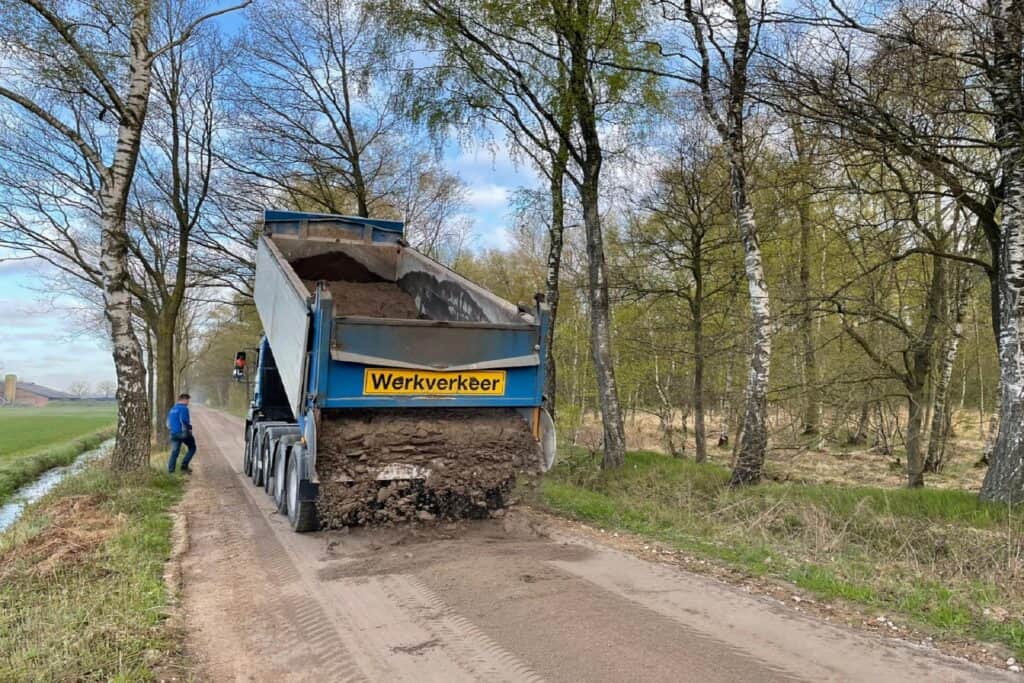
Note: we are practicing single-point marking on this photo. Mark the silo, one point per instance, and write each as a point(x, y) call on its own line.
point(10, 387)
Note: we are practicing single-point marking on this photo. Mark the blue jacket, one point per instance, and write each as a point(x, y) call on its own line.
point(178, 420)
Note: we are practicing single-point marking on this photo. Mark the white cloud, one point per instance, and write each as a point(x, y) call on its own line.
point(482, 197)
point(496, 237)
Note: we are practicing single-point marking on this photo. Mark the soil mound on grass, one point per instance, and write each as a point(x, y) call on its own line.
point(78, 528)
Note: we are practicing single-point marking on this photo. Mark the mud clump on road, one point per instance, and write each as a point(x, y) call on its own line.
point(355, 289)
point(466, 460)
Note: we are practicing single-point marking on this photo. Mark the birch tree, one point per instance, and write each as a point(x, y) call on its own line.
point(722, 45)
point(956, 69)
point(1004, 480)
point(75, 87)
point(168, 202)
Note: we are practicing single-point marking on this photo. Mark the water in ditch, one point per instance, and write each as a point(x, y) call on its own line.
point(33, 491)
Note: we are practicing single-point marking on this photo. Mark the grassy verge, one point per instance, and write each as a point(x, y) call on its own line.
point(945, 561)
point(82, 595)
point(16, 470)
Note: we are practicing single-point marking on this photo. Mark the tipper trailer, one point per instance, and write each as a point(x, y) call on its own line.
point(387, 385)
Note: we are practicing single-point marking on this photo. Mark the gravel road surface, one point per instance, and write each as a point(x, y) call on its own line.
point(499, 600)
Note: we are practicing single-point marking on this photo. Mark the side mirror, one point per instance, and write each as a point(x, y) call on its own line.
point(239, 371)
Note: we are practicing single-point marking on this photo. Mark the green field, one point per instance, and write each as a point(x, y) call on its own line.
point(33, 429)
point(32, 440)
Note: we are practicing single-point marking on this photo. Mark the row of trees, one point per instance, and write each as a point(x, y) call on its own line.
point(850, 176)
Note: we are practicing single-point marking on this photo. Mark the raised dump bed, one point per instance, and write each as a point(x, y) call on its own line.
point(413, 391)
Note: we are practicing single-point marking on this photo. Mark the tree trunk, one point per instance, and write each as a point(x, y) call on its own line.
point(1004, 480)
point(556, 234)
point(697, 311)
point(915, 462)
point(754, 436)
point(860, 436)
point(150, 371)
point(699, 434)
point(579, 82)
point(940, 427)
point(165, 395)
point(990, 435)
point(725, 407)
point(131, 450)
point(753, 439)
point(919, 372)
point(600, 328)
point(812, 394)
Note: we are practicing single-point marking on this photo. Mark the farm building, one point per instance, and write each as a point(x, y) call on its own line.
point(30, 394)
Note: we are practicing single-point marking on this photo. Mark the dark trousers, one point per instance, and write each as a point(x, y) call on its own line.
point(178, 438)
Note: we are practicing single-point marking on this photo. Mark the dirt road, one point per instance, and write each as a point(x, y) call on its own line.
point(498, 601)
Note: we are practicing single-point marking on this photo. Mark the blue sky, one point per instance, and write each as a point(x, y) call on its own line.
point(41, 342)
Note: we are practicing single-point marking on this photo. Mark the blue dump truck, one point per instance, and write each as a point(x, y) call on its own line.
point(387, 386)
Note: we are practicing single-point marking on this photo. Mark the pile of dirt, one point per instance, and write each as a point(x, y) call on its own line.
point(370, 299)
point(356, 290)
point(79, 526)
point(471, 457)
point(335, 265)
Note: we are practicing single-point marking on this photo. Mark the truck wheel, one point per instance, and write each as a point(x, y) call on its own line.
point(268, 467)
point(247, 454)
point(280, 476)
point(301, 513)
point(257, 465)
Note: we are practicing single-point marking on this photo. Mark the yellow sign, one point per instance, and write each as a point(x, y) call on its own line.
point(396, 382)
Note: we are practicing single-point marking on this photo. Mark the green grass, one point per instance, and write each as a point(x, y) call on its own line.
point(102, 617)
point(32, 429)
point(940, 558)
point(32, 440)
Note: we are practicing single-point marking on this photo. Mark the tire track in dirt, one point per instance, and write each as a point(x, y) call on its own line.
point(492, 600)
point(253, 598)
point(468, 641)
point(381, 628)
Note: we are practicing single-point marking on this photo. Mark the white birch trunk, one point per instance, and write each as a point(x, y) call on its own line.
point(754, 438)
point(1004, 480)
point(131, 450)
point(940, 425)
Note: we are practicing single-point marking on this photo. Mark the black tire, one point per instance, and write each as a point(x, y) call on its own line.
point(278, 492)
point(247, 455)
point(301, 513)
point(257, 464)
point(268, 467)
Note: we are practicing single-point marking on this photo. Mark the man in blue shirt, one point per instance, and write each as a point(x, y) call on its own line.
point(180, 425)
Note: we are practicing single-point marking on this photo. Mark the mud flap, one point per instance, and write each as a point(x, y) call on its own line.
point(308, 491)
point(548, 441)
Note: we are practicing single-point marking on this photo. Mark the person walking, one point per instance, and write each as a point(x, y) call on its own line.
point(180, 425)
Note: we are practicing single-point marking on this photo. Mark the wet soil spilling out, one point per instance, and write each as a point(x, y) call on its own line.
point(355, 289)
point(466, 460)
